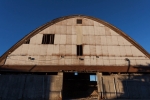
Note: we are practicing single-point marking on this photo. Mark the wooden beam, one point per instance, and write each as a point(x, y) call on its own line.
point(57, 68)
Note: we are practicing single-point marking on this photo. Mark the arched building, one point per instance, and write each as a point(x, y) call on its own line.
point(75, 49)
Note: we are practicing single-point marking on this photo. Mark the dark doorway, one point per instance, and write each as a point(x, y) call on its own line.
point(79, 86)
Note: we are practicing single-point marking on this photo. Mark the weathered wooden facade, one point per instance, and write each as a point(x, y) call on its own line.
point(77, 44)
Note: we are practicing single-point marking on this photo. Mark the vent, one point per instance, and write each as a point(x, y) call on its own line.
point(79, 21)
point(27, 42)
point(48, 39)
point(79, 50)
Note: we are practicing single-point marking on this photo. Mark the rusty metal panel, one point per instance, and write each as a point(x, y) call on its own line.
point(69, 50)
point(106, 61)
point(93, 60)
point(74, 50)
point(51, 29)
point(107, 31)
point(86, 39)
point(91, 30)
point(55, 60)
point(112, 61)
point(43, 49)
point(106, 88)
point(33, 39)
point(87, 22)
point(62, 49)
point(55, 50)
point(111, 51)
point(41, 60)
point(103, 40)
point(121, 87)
point(50, 49)
point(99, 61)
point(79, 33)
point(136, 52)
point(62, 39)
point(74, 30)
point(132, 62)
point(128, 51)
point(74, 39)
point(48, 60)
point(46, 31)
point(97, 30)
point(92, 40)
point(22, 60)
point(109, 40)
point(14, 60)
point(87, 60)
point(120, 40)
point(69, 29)
point(71, 21)
point(31, 49)
point(97, 40)
point(113, 32)
point(102, 31)
point(39, 38)
point(104, 50)
point(37, 50)
point(116, 51)
point(98, 50)
point(24, 50)
point(97, 24)
point(68, 39)
point(126, 42)
point(114, 40)
point(8, 61)
point(64, 22)
point(57, 39)
point(120, 61)
point(92, 50)
point(85, 30)
point(86, 50)
point(60, 29)
point(81, 62)
point(17, 51)
point(68, 60)
point(58, 23)
point(122, 51)
point(75, 60)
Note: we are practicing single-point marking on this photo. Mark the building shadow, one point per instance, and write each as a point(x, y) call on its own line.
point(122, 86)
point(30, 86)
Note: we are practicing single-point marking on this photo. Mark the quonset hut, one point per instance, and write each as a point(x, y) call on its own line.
point(75, 57)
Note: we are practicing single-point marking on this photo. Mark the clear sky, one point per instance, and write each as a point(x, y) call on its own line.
point(19, 17)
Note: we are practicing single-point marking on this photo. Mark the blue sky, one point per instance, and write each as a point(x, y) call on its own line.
point(19, 17)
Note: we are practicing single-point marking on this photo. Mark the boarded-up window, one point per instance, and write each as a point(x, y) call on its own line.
point(48, 39)
point(27, 42)
point(79, 50)
point(79, 21)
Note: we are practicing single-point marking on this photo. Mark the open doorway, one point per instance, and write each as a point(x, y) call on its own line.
point(80, 85)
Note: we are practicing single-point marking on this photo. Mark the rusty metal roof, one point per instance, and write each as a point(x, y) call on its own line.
point(39, 29)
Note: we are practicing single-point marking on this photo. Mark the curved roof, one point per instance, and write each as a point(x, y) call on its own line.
point(36, 31)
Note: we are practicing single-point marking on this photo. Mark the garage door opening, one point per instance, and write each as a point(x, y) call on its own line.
point(79, 86)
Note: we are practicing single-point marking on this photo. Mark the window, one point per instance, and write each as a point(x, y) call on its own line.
point(79, 50)
point(93, 78)
point(79, 21)
point(48, 39)
point(76, 73)
point(27, 42)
